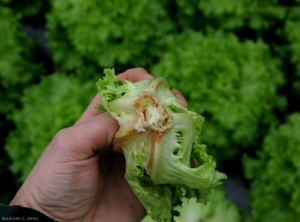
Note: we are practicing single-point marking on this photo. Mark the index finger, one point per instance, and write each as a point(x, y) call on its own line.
point(134, 75)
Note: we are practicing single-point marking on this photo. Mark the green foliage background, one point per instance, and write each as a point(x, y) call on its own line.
point(236, 62)
point(279, 157)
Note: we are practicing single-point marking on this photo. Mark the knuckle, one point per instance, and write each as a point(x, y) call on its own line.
point(62, 137)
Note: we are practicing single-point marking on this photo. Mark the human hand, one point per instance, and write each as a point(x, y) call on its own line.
point(80, 175)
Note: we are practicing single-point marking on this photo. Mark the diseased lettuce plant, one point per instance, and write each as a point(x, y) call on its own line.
point(158, 137)
point(55, 103)
point(232, 84)
point(275, 174)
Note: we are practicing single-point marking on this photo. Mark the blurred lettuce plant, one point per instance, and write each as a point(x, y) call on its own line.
point(55, 103)
point(17, 65)
point(232, 84)
point(219, 209)
point(292, 33)
point(90, 35)
point(275, 174)
point(230, 14)
point(25, 8)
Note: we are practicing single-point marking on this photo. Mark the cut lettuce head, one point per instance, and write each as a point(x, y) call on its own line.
point(158, 137)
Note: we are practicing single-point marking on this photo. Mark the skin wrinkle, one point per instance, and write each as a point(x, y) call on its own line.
point(71, 199)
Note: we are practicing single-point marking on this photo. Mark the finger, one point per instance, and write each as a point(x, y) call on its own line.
point(194, 162)
point(116, 148)
point(180, 98)
point(84, 140)
point(134, 75)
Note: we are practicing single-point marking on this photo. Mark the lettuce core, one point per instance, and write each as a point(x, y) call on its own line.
point(151, 114)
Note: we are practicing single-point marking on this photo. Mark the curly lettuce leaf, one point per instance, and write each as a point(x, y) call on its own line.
point(219, 209)
point(189, 211)
point(158, 137)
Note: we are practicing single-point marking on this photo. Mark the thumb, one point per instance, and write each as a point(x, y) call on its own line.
point(85, 139)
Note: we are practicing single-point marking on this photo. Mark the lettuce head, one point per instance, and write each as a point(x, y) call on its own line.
point(159, 137)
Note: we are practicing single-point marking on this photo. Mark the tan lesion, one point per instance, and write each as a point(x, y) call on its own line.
point(150, 118)
point(127, 134)
point(155, 139)
point(151, 114)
